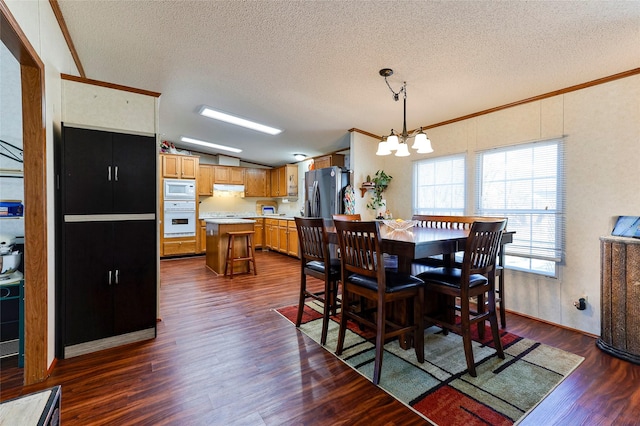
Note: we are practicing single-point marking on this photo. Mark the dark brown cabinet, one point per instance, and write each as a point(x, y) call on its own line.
point(107, 172)
point(106, 286)
point(109, 286)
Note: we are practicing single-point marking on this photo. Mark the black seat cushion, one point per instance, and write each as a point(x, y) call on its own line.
point(317, 266)
point(394, 281)
point(448, 276)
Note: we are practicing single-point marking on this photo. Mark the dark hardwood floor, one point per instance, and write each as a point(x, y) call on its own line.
point(223, 356)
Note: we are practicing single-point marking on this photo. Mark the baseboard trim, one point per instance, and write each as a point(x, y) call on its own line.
point(109, 342)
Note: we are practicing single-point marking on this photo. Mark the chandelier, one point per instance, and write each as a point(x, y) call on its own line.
point(398, 143)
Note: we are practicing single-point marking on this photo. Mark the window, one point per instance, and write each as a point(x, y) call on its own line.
point(525, 184)
point(439, 186)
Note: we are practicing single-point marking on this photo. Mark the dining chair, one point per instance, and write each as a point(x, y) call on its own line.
point(355, 216)
point(475, 277)
point(316, 261)
point(464, 222)
point(364, 275)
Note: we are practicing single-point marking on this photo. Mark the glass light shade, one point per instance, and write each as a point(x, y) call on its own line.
point(419, 141)
point(403, 150)
point(425, 148)
point(383, 149)
point(392, 141)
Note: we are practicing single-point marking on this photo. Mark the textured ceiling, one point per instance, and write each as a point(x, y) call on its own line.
point(311, 67)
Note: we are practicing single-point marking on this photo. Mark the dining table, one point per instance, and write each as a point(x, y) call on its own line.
point(418, 243)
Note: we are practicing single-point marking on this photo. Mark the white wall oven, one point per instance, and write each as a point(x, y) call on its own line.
point(179, 208)
point(179, 219)
point(179, 189)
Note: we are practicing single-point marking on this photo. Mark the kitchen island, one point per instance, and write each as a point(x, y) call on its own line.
point(217, 240)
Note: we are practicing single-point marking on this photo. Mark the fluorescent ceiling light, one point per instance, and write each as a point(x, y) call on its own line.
point(209, 144)
point(228, 118)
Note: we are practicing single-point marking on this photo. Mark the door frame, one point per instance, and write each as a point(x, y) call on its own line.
point(35, 196)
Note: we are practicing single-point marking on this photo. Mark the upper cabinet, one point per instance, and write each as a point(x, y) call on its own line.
point(205, 179)
point(256, 183)
point(107, 172)
point(179, 166)
point(284, 181)
point(228, 175)
point(328, 161)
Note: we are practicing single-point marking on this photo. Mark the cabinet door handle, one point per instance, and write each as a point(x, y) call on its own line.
point(116, 174)
point(109, 277)
point(109, 173)
point(117, 276)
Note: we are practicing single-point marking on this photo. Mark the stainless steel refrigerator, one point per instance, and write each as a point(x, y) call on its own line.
point(324, 191)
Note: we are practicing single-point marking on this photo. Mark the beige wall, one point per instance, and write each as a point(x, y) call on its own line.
point(601, 125)
point(37, 21)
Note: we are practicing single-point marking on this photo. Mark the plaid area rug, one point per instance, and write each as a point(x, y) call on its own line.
point(439, 389)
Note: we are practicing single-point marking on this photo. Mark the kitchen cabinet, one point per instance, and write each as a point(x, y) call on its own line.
point(110, 287)
point(202, 236)
point(283, 236)
point(176, 166)
point(271, 234)
point(104, 172)
point(328, 161)
point(178, 246)
point(256, 183)
point(284, 181)
point(258, 237)
point(292, 239)
point(228, 175)
point(205, 179)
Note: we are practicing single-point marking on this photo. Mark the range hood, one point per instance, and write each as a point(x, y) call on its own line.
point(221, 190)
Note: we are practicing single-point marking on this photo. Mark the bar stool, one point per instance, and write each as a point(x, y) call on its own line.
point(249, 258)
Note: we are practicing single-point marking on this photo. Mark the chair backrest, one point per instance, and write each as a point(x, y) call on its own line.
point(360, 249)
point(347, 217)
point(482, 246)
point(313, 239)
point(448, 222)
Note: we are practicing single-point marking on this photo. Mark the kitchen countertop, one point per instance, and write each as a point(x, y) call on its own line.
point(227, 220)
point(208, 216)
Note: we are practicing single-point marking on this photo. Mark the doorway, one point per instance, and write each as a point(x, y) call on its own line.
point(35, 196)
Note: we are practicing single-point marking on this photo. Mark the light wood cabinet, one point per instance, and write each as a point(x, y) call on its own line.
point(283, 236)
point(179, 246)
point(256, 183)
point(258, 238)
point(292, 238)
point(228, 175)
point(205, 172)
point(328, 161)
point(271, 234)
point(179, 166)
point(284, 181)
point(202, 236)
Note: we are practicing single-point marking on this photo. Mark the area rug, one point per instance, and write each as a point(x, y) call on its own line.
point(440, 390)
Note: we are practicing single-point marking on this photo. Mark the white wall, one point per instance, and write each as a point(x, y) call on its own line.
point(37, 21)
point(601, 125)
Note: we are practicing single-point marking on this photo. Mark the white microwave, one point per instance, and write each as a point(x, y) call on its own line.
point(179, 189)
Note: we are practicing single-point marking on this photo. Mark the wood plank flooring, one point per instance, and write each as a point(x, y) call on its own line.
point(223, 356)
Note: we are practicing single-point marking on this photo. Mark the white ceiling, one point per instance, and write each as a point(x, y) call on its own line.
point(311, 67)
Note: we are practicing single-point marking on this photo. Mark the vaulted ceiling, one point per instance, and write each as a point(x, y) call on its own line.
point(311, 67)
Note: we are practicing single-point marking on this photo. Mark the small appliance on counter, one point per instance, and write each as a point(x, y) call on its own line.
point(10, 258)
point(266, 208)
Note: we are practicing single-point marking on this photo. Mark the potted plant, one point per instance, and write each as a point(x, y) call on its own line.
point(381, 181)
